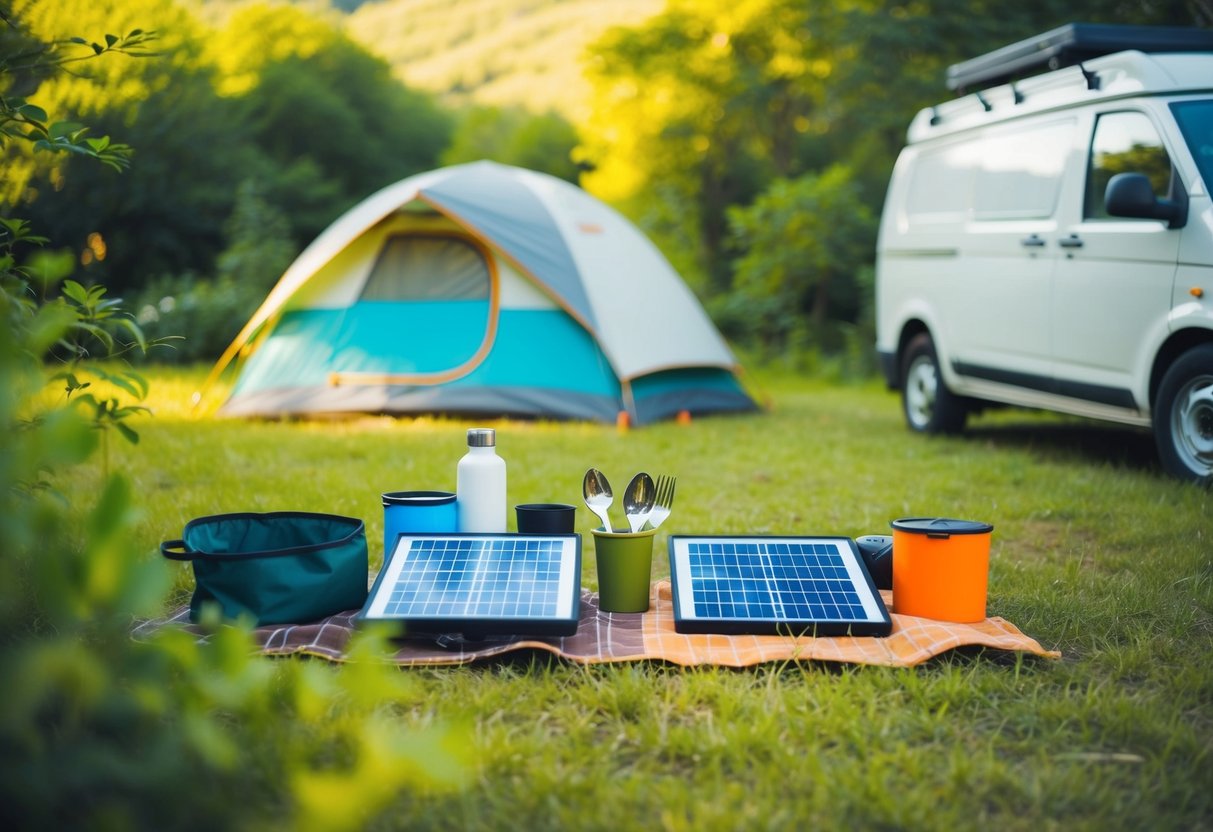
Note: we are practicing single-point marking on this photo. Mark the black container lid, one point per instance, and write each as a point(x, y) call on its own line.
point(414, 498)
point(940, 526)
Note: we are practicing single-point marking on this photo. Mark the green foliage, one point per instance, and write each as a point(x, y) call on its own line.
point(702, 106)
point(307, 92)
point(514, 136)
point(211, 310)
point(802, 240)
point(274, 97)
point(97, 730)
point(28, 123)
point(20, 119)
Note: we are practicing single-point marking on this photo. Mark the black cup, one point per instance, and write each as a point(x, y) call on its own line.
point(546, 518)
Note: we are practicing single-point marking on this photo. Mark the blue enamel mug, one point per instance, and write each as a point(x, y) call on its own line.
point(417, 511)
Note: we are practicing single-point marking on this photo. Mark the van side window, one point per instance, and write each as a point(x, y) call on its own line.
point(1000, 175)
point(1019, 171)
point(1124, 143)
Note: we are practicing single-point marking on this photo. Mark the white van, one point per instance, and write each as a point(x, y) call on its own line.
point(1048, 242)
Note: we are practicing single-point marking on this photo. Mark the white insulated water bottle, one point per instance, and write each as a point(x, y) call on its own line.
point(480, 484)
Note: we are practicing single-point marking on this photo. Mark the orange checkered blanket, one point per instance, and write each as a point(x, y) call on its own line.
point(619, 637)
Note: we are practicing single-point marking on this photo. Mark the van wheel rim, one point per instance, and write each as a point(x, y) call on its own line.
point(1192, 424)
point(922, 385)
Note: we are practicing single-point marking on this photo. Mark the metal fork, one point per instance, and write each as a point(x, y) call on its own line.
point(663, 501)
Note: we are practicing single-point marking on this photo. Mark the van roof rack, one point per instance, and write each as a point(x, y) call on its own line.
point(1069, 45)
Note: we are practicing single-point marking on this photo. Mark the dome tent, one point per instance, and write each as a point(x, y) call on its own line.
point(482, 289)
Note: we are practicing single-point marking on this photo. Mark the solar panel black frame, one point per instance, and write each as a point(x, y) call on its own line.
point(560, 612)
point(771, 618)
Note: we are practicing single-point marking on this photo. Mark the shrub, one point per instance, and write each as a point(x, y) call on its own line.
point(97, 730)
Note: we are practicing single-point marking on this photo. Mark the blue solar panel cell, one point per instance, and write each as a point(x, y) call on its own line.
point(480, 585)
point(770, 585)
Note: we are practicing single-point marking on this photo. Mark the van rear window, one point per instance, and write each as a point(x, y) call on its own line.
point(941, 187)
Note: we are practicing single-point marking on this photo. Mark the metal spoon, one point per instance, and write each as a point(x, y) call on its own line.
point(638, 500)
point(598, 496)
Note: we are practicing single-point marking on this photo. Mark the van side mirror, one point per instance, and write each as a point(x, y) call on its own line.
point(1130, 195)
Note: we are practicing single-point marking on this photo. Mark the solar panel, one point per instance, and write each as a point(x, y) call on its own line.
point(479, 584)
point(765, 585)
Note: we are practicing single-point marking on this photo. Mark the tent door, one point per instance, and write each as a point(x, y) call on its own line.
point(436, 296)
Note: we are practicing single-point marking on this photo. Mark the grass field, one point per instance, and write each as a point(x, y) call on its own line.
point(1095, 553)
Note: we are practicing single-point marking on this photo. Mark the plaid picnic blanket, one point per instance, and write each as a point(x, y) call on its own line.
point(619, 637)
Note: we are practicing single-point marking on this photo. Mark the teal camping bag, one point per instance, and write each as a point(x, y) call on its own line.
point(284, 567)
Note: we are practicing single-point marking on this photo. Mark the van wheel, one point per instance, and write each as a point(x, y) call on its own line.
point(1183, 417)
point(928, 404)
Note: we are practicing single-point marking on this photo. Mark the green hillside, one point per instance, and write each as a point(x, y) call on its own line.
point(524, 52)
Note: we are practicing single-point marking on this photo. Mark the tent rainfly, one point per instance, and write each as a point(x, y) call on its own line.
point(482, 289)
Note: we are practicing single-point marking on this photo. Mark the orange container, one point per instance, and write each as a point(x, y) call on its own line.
point(941, 568)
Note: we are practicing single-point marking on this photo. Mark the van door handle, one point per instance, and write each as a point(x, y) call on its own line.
point(1072, 241)
point(1034, 241)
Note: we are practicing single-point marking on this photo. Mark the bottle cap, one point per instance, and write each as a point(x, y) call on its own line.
point(481, 437)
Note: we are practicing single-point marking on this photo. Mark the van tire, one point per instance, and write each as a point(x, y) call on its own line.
point(1183, 417)
point(927, 403)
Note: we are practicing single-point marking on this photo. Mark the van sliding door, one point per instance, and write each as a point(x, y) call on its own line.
point(1001, 312)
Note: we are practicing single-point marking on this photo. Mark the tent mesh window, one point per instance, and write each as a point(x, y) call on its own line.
point(418, 267)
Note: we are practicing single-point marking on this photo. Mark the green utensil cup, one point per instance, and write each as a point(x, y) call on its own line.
point(625, 565)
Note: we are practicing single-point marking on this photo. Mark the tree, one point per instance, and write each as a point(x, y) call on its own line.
point(167, 215)
point(277, 97)
point(514, 136)
point(323, 111)
point(701, 107)
point(802, 243)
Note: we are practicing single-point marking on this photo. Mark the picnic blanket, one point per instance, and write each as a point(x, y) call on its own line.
point(620, 637)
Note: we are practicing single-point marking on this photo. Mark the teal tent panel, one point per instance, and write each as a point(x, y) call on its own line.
point(544, 348)
point(532, 348)
point(370, 337)
point(491, 200)
point(697, 390)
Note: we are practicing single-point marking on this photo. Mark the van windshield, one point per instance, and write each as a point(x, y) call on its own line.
point(1195, 120)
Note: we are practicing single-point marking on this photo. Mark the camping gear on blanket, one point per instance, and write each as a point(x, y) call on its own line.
point(596, 491)
point(625, 567)
point(476, 585)
point(480, 478)
point(877, 553)
point(280, 567)
point(624, 637)
point(546, 518)
point(417, 511)
point(638, 500)
point(483, 289)
point(772, 584)
point(941, 568)
point(663, 500)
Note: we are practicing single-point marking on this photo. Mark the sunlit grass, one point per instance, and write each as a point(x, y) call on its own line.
point(1094, 553)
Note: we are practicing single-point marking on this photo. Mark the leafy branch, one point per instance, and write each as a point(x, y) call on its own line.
point(82, 323)
point(19, 119)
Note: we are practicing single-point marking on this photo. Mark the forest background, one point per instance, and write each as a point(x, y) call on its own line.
point(751, 139)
